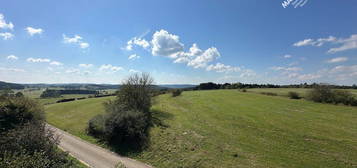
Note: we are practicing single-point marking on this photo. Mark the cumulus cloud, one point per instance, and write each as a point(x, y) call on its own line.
point(56, 63)
point(345, 43)
point(76, 39)
point(12, 69)
point(337, 60)
point(133, 57)
point(168, 45)
point(85, 65)
point(38, 60)
point(6, 35)
point(12, 57)
point(138, 42)
point(3, 24)
point(109, 67)
point(33, 31)
point(165, 44)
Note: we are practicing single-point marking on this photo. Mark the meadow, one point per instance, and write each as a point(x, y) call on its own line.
point(284, 91)
point(228, 128)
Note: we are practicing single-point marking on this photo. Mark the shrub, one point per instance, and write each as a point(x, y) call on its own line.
point(324, 94)
point(176, 92)
point(128, 117)
point(127, 126)
point(294, 95)
point(269, 93)
point(31, 145)
point(16, 111)
point(96, 126)
point(344, 97)
point(243, 90)
point(135, 93)
point(321, 94)
point(24, 140)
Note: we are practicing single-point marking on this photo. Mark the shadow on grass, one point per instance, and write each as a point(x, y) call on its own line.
point(135, 147)
point(158, 118)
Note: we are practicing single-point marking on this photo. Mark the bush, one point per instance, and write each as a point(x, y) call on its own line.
point(135, 93)
point(16, 111)
point(24, 140)
point(324, 94)
point(128, 117)
point(176, 92)
point(269, 93)
point(243, 90)
point(127, 126)
point(321, 94)
point(31, 145)
point(96, 126)
point(294, 95)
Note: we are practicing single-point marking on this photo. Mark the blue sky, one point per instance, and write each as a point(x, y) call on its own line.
point(250, 41)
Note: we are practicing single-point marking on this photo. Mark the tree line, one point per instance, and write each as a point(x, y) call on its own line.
point(211, 85)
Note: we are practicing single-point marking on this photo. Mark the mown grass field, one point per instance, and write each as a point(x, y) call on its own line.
point(228, 128)
point(284, 91)
point(73, 116)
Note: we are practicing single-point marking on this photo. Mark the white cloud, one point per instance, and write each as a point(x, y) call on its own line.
point(319, 42)
point(12, 57)
point(344, 69)
point(84, 45)
point(85, 65)
point(56, 63)
point(304, 42)
point(133, 71)
point(137, 41)
point(6, 35)
point(33, 31)
point(12, 69)
point(110, 67)
point(347, 44)
point(4, 25)
point(76, 39)
point(277, 68)
point(219, 67)
point(196, 58)
point(165, 44)
point(309, 76)
point(337, 59)
point(73, 71)
point(38, 59)
point(133, 57)
point(287, 56)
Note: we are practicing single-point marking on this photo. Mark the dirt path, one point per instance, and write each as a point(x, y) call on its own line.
point(92, 155)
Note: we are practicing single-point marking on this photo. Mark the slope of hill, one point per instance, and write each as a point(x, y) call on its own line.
point(227, 128)
point(5, 85)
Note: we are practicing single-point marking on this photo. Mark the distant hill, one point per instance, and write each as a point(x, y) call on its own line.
point(88, 86)
point(4, 85)
point(178, 86)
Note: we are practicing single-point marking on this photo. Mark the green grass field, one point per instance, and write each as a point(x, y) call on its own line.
point(74, 116)
point(228, 128)
point(284, 91)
